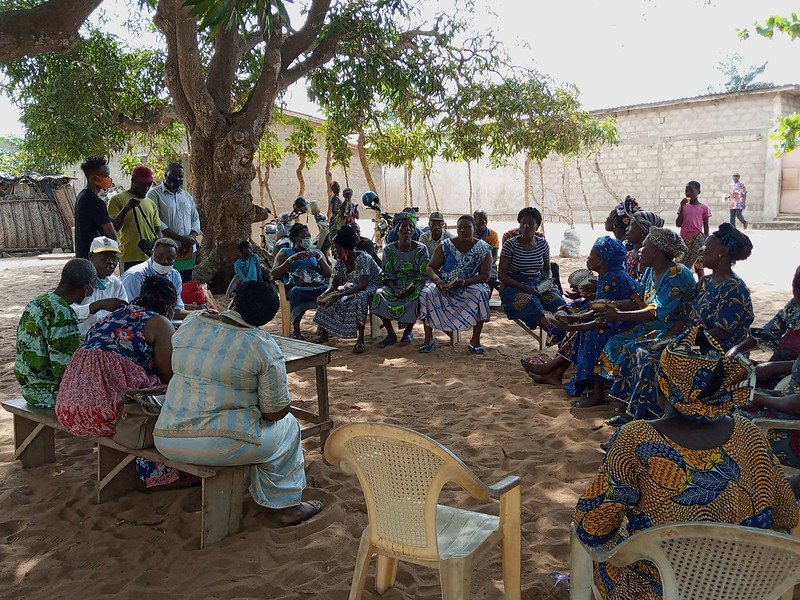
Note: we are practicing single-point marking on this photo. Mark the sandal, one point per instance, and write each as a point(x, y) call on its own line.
point(316, 506)
point(359, 348)
point(406, 339)
point(428, 348)
point(387, 341)
point(477, 349)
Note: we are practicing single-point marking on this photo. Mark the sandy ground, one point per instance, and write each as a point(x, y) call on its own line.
point(55, 539)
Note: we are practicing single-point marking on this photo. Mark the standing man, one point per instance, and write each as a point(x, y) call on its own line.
point(109, 293)
point(482, 232)
point(161, 263)
point(135, 218)
point(737, 196)
point(348, 212)
point(91, 214)
point(179, 218)
point(436, 233)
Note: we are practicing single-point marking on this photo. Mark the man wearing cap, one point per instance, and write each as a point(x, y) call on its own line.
point(136, 218)
point(435, 234)
point(109, 293)
point(737, 195)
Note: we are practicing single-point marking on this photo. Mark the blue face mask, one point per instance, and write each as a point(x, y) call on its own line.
point(306, 243)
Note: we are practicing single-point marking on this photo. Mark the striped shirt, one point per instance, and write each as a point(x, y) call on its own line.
point(225, 378)
point(526, 264)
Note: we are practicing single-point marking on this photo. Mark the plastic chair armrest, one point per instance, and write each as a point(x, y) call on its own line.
point(504, 485)
point(767, 424)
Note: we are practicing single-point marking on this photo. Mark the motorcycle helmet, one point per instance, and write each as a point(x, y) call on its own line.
point(370, 200)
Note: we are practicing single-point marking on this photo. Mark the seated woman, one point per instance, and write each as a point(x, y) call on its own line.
point(721, 305)
point(405, 263)
point(607, 258)
point(131, 349)
point(229, 407)
point(524, 263)
point(696, 463)
point(305, 272)
point(457, 295)
point(781, 336)
point(344, 306)
point(641, 222)
point(245, 268)
point(667, 290)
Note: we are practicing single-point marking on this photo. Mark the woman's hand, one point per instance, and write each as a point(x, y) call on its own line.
point(608, 315)
point(443, 287)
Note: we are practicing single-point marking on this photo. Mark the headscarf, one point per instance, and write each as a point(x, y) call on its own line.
point(405, 216)
point(646, 219)
point(667, 241)
point(700, 381)
point(612, 251)
point(738, 244)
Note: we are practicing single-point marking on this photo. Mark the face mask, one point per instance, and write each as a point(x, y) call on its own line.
point(100, 284)
point(174, 183)
point(306, 243)
point(103, 182)
point(159, 268)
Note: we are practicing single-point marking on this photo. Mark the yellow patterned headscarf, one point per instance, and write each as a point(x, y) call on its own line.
point(700, 381)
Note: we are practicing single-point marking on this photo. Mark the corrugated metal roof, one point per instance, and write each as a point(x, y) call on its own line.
point(792, 88)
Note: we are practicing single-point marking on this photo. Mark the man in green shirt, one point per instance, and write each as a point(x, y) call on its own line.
point(135, 218)
point(47, 335)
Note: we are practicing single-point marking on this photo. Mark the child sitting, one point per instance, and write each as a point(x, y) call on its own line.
point(246, 268)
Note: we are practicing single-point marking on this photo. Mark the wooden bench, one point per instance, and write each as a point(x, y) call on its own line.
point(540, 335)
point(222, 487)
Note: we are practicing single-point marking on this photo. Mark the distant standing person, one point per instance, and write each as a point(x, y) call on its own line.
point(349, 209)
point(737, 196)
point(693, 221)
point(482, 232)
point(135, 218)
point(179, 218)
point(91, 215)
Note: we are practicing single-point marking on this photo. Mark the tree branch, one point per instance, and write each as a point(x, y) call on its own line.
point(324, 52)
point(308, 35)
point(154, 122)
point(257, 109)
point(222, 67)
point(49, 27)
point(164, 19)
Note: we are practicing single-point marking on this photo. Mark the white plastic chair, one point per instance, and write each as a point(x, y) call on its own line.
point(402, 473)
point(699, 561)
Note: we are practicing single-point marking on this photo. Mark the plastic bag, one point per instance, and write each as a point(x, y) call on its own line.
point(571, 244)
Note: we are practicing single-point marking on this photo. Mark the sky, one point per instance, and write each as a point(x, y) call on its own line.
point(616, 52)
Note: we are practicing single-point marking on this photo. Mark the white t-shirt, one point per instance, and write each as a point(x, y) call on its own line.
point(113, 289)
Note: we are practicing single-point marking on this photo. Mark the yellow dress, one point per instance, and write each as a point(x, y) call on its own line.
point(650, 480)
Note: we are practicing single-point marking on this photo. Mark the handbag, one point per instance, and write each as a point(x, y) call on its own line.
point(138, 417)
point(144, 245)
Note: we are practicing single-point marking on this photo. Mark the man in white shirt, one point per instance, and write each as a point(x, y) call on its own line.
point(162, 264)
point(109, 293)
point(436, 233)
point(179, 217)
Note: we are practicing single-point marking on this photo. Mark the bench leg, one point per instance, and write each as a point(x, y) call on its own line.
point(34, 443)
point(222, 505)
point(323, 407)
point(116, 473)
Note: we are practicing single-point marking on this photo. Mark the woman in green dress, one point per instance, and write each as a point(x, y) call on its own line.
point(404, 265)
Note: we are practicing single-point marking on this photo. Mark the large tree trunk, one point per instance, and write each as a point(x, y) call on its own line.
point(300, 179)
point(362, 157)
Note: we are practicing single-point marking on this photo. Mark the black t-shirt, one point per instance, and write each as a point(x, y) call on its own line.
point(91, 213)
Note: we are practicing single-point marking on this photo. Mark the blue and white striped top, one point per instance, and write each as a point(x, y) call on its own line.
point(225, 378)
point(526, 264)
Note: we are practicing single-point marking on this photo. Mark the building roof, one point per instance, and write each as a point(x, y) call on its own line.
point(792, 88)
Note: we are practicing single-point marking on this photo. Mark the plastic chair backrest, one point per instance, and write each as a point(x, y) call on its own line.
point(401, 473)
point(710, 561)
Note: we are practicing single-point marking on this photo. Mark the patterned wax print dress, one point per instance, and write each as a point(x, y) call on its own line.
point(405, 268)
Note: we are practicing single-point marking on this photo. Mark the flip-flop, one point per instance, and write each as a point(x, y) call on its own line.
point(359, 348)
point(428, 348)
point(315, 504)
point(477, 349)
point(387, 341)
point(406, 339)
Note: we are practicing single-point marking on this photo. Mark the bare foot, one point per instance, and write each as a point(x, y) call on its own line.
point(589, 402)
point(552, 378)
point(540, 369)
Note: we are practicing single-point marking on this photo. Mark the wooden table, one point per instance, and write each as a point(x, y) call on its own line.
point(301, 355)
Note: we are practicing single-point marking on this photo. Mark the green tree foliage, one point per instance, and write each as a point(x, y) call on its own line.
point(303, 143)
point(741, 77)
point(16, 159)
point(787, 131)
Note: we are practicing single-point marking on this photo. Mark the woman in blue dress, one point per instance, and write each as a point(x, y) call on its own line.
point(667, 290)
point(721, 305)
point(305, 272)
point(607, 258)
